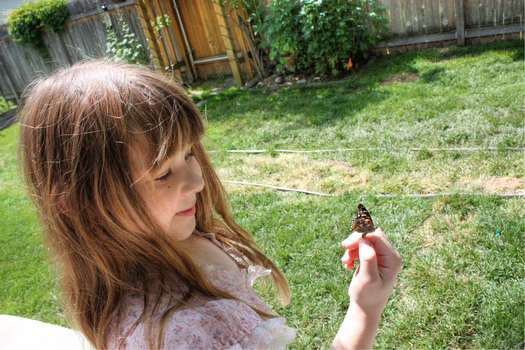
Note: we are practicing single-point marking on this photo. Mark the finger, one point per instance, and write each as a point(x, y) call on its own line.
point(353, 254)
point(350, 255)
point(368, 259)
point(387, 256)
point(346, 257)
point(381, 243)
point(352, 242)
point(350, 265)
point(349, 258)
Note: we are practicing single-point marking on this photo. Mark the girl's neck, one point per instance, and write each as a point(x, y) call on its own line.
point(205, 252)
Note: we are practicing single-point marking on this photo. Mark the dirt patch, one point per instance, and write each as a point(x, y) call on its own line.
point(290, 79)
point(497, 184)
point(401, 78)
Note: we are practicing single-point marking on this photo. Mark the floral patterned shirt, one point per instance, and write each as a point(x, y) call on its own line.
point(206, 323)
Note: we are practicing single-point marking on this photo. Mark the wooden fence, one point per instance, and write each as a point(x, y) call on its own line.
point(199, 50)
point(425, 23)
point(84, 37)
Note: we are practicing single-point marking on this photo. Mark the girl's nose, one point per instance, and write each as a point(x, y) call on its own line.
point(194, 182)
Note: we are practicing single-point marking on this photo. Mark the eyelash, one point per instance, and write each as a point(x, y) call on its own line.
point(165, 177)
point(189, 155)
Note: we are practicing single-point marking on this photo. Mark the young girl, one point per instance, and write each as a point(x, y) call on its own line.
point(149, 255)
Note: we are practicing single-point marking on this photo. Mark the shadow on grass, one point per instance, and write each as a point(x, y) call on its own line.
point(326, 105)
point(309, 105)
point(432, 75)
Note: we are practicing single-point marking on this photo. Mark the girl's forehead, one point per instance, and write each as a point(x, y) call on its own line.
point(143, 159)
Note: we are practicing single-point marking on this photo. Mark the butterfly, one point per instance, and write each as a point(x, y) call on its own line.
point(362, 222)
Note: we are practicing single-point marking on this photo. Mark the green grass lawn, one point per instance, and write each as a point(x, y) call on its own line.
point(462, 283)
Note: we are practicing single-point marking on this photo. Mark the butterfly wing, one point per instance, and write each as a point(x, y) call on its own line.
point(362, 222)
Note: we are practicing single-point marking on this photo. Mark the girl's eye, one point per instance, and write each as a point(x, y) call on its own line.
point(163, 177)
point(189, 155)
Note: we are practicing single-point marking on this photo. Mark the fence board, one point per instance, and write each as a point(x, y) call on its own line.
point(499, 15)
point(419, 17)
point(429, 15)
point(436, 17)
point(407, 17)
point(396, 15)
point(508, 9)
point(84, 37)
point(412, 17)
point(450, 23)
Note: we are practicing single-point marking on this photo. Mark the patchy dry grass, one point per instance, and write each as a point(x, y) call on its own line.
point(371, 172)
point(291, 171)
point(496, 184)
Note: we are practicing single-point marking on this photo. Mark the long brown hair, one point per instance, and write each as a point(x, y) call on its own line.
point(77, 126)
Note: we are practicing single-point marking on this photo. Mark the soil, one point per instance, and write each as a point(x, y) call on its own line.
point(401, 78)
point(292, 79)
point(288, 79)
point(274, 81)
point(282, 80)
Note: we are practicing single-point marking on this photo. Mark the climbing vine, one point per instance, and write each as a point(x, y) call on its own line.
point(126, 47)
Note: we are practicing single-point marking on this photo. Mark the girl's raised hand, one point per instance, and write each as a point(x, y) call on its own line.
point(376, 274)
point(370, 288)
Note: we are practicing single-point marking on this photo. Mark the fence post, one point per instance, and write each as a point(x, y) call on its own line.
point(177, 30)
point(228, 42)
point(460, 23)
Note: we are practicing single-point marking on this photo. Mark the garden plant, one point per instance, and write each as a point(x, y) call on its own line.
point(320, 36)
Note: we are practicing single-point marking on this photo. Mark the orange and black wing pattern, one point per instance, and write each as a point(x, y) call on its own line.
point(362, 222)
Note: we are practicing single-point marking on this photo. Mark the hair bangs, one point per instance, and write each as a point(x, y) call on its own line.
point(166, 121)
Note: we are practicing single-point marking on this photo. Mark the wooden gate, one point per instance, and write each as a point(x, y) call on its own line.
point(200, 35)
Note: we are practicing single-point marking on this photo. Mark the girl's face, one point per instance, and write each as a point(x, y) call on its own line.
point(170, 192)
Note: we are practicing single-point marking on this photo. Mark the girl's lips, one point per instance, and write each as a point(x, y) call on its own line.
point(187, 212)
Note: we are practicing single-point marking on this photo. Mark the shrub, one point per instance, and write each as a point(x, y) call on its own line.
point(26, 21)
point(322, 35)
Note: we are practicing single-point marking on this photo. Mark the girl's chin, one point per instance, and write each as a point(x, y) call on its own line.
point(184, 230)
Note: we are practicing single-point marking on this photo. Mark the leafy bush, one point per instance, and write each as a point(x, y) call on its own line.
point(282, 29)
point(322, 35)
point(26, 21)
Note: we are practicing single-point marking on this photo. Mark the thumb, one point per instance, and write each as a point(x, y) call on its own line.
point(367, 259)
